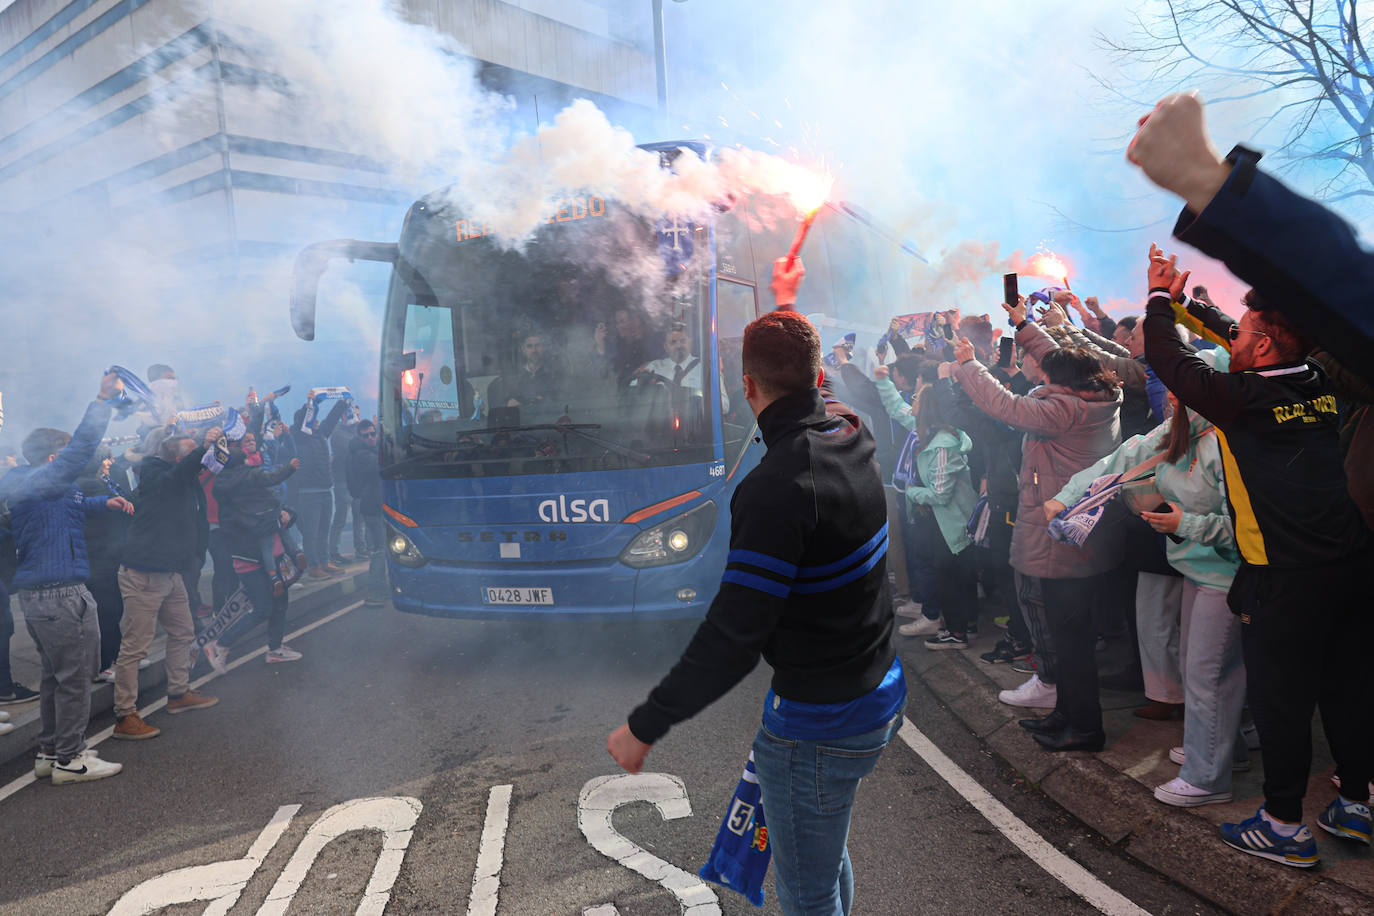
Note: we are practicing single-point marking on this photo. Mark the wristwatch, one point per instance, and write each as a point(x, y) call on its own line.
point(1243, 159)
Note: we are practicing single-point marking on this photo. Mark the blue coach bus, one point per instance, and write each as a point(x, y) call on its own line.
point(544, 450)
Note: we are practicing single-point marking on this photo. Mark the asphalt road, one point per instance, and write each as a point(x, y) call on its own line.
point(392, 707)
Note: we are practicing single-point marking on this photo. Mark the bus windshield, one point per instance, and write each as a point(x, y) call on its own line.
point(585, 349)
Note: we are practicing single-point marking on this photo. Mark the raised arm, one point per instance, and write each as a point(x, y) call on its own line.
point(1218, 396)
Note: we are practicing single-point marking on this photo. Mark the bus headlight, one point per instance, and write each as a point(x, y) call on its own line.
point(403, 550)
point(674, 541)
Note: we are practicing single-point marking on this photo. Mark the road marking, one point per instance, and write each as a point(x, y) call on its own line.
point(394, 817)
point(600, 798)
point(1039, 850)
point(29, 779)
point(220, 883)
point(486, 879)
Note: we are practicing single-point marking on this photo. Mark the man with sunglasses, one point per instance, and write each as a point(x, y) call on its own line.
point(365, 483)
point(1301, 589)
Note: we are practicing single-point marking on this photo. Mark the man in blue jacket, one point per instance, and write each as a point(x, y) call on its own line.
point(48, 516)
point(805, 587)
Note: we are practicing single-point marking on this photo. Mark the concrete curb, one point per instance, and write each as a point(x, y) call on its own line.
point(23, 741)
point(1177, 842)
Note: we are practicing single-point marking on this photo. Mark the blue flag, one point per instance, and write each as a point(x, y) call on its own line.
point(675, 243)
point(739, 859)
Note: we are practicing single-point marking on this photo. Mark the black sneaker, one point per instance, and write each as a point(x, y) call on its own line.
point(947, 640)
point(1006, 651)
point(15, 694)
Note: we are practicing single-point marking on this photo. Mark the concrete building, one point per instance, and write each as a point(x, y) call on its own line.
point(139, 136)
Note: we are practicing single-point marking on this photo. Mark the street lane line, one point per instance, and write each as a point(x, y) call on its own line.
point(1039, 850)
point(29, 779)
point(486, 879)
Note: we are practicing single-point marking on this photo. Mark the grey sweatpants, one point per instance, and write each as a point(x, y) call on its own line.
point(66, 630)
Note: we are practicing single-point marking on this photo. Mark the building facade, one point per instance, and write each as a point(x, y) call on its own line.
point(138, 137)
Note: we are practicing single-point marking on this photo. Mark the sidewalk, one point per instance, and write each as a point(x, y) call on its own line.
point(1112, 792)
point(307, 597)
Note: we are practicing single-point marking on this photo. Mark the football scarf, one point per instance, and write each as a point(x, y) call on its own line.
point(313, 405)
point(739, 859)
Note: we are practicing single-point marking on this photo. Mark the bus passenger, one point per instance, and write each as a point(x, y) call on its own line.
point(680, 368)
point(632, 348)
point(530, 385)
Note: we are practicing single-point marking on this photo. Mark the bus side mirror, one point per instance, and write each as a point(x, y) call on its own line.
point(310, 266)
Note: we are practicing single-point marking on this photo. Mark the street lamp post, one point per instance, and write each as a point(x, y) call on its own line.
point(661, 57)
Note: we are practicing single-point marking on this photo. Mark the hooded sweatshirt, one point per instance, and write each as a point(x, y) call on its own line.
point(948, 489)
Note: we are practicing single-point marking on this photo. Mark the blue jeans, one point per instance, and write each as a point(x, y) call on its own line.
point(808, 790)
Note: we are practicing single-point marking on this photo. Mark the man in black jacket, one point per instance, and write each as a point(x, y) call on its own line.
point(315, 486)
point(365, 483)
point(805, 586)
point(159, 546)
point(1301, 590)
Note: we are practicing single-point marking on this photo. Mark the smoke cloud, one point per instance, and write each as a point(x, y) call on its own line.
point(974, 130)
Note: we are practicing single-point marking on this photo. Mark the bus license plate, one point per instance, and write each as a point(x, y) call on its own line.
point(521, 595)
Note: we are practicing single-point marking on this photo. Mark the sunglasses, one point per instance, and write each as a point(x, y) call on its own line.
point(1236, 330)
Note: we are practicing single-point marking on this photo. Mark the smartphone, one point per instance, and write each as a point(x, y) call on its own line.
point(1010, 293)
point(1004, 352)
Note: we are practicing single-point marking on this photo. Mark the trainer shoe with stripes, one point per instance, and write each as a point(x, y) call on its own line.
point(84, 767)
point(43, 763)
point(1348, 820)
point(947, 640)
point(283, 654)
point(1255, 836)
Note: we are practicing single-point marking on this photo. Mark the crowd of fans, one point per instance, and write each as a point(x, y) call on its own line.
point(1201, 482)
point(103, 545)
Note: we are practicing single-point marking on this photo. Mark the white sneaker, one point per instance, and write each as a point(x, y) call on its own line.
point(105, 677)
point(4, 716)
point(1034, 694)
point(1182, 794)
point(909, 609)
point(6, 728)
point(1177, 755)
point(43, 763)
point(922, 627)
point(216, 656)
point(284, 654)
point(84, 767)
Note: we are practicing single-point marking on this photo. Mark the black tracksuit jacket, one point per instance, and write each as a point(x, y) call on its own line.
point(805, 585)
point(1278, 431)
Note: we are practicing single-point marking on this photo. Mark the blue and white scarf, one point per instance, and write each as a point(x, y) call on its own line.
point(201, 417)
point(739, 859)
point(136, 394)
point(313, 405)
point(1074, 524)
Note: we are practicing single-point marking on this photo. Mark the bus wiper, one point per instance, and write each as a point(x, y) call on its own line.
point(580, 430)
point(577, 429)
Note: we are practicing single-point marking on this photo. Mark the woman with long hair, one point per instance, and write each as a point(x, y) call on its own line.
point(1203, 549)
point(940, 509)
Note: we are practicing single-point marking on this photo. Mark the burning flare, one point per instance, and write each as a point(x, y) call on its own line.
point(1049, 265)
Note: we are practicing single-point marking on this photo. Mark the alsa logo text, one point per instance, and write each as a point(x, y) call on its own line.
point(567, 510)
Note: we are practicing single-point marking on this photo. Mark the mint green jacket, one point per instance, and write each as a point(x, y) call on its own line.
point(948, 490)
point(1208, 555)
